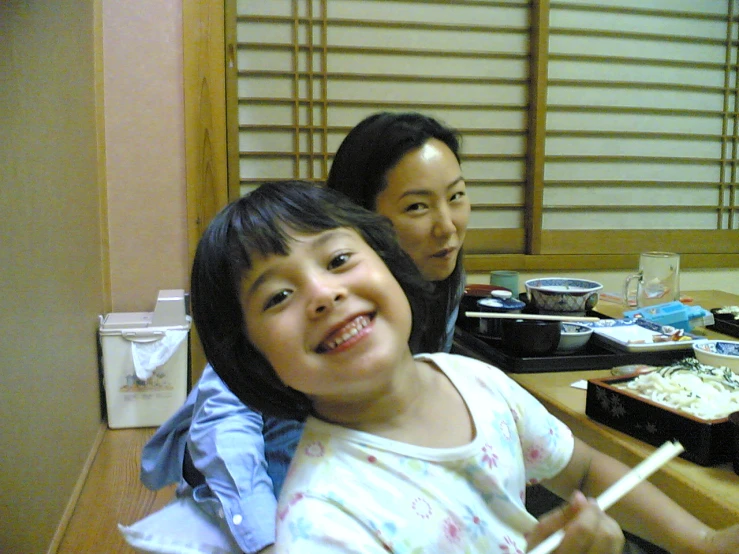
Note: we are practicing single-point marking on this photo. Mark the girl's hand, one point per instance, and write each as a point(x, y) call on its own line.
point(587, 528)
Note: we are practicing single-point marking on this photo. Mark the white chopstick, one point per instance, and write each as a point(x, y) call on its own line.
point(613, 494)
point(494, 315)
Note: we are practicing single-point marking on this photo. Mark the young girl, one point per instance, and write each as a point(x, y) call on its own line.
point(404, 166)
point(306, 305)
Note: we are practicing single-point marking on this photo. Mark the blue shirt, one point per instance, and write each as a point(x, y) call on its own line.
point(243, 456)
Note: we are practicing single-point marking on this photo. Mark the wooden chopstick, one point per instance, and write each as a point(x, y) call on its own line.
point(494, 315)
point(620, 488)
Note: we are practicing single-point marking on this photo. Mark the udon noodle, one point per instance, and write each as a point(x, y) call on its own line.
point(703, 391)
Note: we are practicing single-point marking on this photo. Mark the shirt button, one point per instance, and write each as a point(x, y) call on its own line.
point(237, 519)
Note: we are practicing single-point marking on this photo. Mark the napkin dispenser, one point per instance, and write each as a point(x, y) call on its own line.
point(145, 362)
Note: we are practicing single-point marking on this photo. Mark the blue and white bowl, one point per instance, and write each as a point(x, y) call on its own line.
point(718, 353)
point(563, 295)
point(574, 337)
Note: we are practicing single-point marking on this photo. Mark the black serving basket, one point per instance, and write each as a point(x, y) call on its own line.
point(706, 442)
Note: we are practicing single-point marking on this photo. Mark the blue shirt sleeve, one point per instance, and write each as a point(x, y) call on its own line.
point(162, 455)
point(227, 446)
point(243, 457)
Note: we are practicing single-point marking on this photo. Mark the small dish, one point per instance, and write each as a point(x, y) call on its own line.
point(574, 336)
point(718, 353)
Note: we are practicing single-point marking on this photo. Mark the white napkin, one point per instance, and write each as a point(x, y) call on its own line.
point(147, 356)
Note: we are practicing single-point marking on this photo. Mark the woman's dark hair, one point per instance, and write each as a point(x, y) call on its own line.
point(259, 224)
point(360, 168)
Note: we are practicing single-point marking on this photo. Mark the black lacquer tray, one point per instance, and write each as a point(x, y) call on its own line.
point(594, 356)
point(706, 442)
point(724, 323)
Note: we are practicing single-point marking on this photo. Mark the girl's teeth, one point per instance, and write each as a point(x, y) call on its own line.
point(356, 326)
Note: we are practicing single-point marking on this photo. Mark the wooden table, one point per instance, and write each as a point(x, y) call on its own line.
point(710, 493)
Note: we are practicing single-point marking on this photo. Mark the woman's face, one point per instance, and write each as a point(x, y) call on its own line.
point(426, 200)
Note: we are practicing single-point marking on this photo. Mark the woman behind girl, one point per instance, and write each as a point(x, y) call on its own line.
point(406, 166)
point(305, 304)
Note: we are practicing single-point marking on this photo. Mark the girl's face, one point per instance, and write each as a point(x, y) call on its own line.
point(426, 200)
point(329, 317)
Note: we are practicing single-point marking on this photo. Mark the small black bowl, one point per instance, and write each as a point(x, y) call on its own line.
point(531, 337)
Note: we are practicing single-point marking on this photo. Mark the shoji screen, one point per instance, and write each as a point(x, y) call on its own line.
point(309, 70)
point(589, 128)
point(641, 129)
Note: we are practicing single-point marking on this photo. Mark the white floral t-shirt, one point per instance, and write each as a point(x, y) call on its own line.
point(349, 491)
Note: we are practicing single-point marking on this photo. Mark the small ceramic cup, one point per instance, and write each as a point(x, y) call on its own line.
point(505, 279)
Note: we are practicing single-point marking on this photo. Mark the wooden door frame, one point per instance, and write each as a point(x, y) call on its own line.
point(206, 135)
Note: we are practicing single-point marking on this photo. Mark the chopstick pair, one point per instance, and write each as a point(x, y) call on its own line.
point(613, 494)
point(494, 315)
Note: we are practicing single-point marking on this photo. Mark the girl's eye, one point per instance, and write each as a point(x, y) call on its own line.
point(339, 260)
point(276, 299)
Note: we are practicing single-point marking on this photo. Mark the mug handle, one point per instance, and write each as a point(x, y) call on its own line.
point(627, 284)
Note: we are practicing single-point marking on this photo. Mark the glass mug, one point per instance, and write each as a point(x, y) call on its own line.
point(658, 280)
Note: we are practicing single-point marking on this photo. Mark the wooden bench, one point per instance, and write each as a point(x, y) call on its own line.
point(112, 493)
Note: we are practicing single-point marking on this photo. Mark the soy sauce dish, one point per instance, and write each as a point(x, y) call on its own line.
point(718, 353)
point(574, 337)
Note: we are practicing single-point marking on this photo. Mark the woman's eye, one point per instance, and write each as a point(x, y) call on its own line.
point(458, 196)
point(276, 299)
point(339, 260)
point(417, 207)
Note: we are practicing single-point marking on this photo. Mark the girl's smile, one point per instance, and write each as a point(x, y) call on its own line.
point(346, 335)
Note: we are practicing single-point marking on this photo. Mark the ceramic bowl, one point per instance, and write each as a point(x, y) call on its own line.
point(530, 337)
point(574, 337)
point(563, 295)
point(718, 353)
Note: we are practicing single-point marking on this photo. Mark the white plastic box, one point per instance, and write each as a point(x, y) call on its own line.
point(133, 401)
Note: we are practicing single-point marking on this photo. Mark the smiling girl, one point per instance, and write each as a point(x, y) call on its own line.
point(306, 304)
point(404, 166)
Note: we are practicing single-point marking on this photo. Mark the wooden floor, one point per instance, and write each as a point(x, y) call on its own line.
point(112, 494)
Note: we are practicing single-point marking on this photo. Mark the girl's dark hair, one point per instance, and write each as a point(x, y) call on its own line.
point(360, 168)
point(260, 224)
